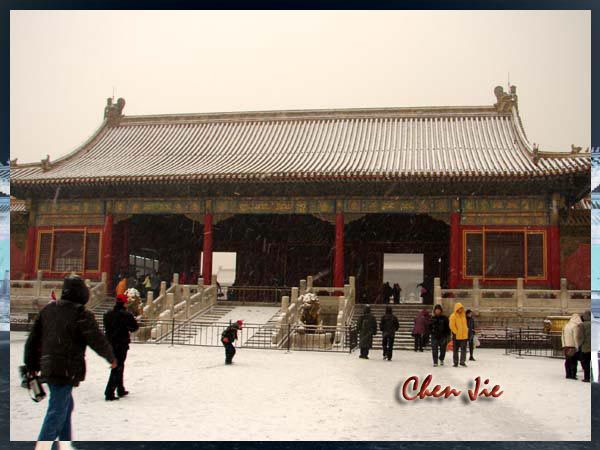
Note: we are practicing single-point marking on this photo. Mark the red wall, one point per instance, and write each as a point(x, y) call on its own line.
point(17, 261)
point(577, 267)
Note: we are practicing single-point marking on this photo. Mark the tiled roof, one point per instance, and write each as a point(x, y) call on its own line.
point(368, 144)
point(17, 205)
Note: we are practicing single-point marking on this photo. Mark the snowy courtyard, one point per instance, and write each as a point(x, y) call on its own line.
point(187, 393)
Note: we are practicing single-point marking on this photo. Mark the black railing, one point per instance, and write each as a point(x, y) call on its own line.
point(532, 342)
point(257, 336)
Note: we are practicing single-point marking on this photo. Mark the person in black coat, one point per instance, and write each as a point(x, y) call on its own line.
point(471, 326)
point(56, 348)
point(389, 325)
point(118, 323)
point(439, 329)
point(228, 337)
point(367, 328)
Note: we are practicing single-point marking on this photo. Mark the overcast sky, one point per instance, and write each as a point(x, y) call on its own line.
point(65, 64)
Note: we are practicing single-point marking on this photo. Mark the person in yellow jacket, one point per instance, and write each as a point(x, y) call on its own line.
point(460, 334)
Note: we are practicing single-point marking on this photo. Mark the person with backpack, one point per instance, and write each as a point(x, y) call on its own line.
point(228, 337)
point(118, 324)
point(439, 329)
point(56, 348)
point(389, 325)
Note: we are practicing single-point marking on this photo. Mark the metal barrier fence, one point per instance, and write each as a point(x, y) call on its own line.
point(256, 336)
point(258, 294)
point(533, 342)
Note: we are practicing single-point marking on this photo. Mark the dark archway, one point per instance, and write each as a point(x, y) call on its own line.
point(367, 240)
point(174, 240)
point(277, 249)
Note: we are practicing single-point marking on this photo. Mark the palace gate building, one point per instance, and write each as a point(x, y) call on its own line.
point(318, 192)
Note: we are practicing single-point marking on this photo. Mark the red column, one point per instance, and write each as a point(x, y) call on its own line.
point(338, 268)
point(454, 250)
point(554, 256)
point(107, 232)
point(207, 249)
point(30, 253)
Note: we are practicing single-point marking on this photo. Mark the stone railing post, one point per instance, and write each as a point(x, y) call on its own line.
point(37, 287)
point(149, 298)
point(564, 296)
point(163, 288)
point(346, 290)
point(213, 280)
point(295, 295)
point(175, 278)
point(437, 291)
point(520, 294)
point(171, 304)
point(187, 297)
point(309, 283)
point(285, 303)
point(302, 287)
point(352, 283)
point(476, 294)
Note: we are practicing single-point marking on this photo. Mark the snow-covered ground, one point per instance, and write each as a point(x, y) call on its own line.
point(187, 393)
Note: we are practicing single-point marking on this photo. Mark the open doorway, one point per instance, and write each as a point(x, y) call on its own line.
point(406, 271)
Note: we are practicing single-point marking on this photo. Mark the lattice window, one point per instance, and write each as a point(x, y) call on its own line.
point(504, 255)
point(68, 251)
point(474, 254)
point(45, 252)
point(92, 251)
point(535, 255)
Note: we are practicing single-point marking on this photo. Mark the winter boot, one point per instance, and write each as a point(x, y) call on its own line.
point(123, 393)
point(111, 398)
point(441, 362)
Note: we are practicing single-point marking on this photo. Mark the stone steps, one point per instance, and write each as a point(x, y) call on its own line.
point(187, 333)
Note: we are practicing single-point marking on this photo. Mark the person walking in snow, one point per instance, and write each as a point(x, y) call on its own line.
point(118, 323)
point(460, 334)
point(585, 355)
point(228, 337)
point(572, 337)
point(56, 348)
point(471, 326)
point(439, 329)
point(389, 325)
point(367, 328)
point(420, 328)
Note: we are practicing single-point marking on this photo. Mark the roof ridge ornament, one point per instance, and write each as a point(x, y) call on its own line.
point(536, 153)
point(505, 100)
point(114, 112)
point(576, 150)
point(46, 163)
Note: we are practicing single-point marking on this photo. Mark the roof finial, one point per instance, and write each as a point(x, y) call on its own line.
point(505, 100)
point(113, 112)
